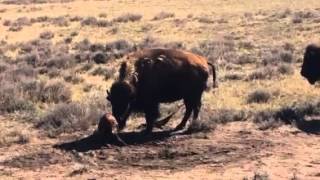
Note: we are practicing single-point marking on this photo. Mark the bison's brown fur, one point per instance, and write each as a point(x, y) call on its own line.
point(160, 75)
point(311, 63)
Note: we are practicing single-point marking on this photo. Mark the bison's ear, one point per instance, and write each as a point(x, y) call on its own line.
point(123, 71)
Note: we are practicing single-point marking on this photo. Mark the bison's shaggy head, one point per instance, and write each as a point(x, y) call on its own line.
point(311, 64)
point(121, 95)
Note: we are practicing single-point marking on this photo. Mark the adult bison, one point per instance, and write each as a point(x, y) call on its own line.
point(311, 64)
point(159, 76)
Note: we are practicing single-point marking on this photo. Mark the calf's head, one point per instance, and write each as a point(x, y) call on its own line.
point(107, 125)
point(311, 64)
point(121, 95)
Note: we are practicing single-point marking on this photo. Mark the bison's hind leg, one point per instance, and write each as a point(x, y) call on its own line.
point(192, 105)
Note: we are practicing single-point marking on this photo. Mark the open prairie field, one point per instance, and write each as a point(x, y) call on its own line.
point(58, 58)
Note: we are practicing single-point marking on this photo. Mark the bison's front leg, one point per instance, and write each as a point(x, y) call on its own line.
point(185, 118)
point(151, 114)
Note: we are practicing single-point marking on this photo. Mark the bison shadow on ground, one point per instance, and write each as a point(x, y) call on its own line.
point(309, 126)
point(94, 141)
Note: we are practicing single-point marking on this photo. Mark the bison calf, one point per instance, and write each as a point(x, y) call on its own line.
point(107, 129)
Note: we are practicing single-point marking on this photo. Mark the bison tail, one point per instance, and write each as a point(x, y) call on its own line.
point(214, 75)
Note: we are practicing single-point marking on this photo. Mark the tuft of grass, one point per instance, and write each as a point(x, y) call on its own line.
point(104, 23)
point(129, 17)
point(82, 57)
point(267, 72)
point(40, 19)
point(246, 44)
point(83, 45)
point(118, 49)
point(259, 96)
point(3, 67)
point(19, 73)
point(47, 35)
point(244, 59)
point(201, 126)
point(15, 28)
point(11, 100)
point(61, 21)
point(13, 137)
point(223, 116)
point(234, 76)
point(286, 56)
point(74, 116)
point(205, 20)
point(287, 115)
point(103, 15)
point(73, 78)
point(214, 50)
point(276, 57)
point(32, 89)
point(68, 40)
point(296, 19)
point(267, 120)
point(89, 21)
point(75, 18)
point(97, 47)
point(285, 69)
point(52, 72)
point(106, 72)
point(86, 67)
point(260, 176)
point(92, 21)
point(87, 87)
point(163, 15)
point(29, 58)
point(68, 118)
point(100, 58)
point(54, 92)
point(61, 61)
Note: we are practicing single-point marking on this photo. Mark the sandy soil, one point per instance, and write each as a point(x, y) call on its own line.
point(233, 151)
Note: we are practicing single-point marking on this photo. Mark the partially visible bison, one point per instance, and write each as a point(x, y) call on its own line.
point(159, 76)
point(311, 64)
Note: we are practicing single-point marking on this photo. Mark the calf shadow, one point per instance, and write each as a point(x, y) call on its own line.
point(94, 141)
